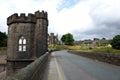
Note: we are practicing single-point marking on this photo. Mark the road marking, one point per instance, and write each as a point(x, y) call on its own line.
point(61, 77)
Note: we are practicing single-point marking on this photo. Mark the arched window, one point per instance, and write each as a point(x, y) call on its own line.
point(22, 44)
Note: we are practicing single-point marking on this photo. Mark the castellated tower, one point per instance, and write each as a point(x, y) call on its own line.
point(41, 32)
point(27, 39)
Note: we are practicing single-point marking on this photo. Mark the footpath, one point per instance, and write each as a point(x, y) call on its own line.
point(54, 71)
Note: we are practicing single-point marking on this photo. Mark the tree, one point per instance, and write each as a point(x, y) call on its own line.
point(63, 38)
point(67, 39)
point(3, 39)
point(116, 42)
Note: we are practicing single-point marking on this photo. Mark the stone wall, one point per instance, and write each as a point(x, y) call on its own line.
point(34, 28)
point(14, 33)
point(105, 57)
point(34, 71)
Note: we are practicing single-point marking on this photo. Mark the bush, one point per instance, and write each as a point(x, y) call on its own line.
point(90, 48)
point(116, 42)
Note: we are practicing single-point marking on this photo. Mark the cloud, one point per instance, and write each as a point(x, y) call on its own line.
point(75, 18)
point(8, 7)
point(105, 17)
point(83, 18)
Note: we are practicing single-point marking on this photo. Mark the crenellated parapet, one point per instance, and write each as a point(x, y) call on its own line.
point(21, 19)
point(31, 18)
point(41, 15)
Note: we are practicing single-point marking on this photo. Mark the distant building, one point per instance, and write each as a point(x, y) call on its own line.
point(88, 42)
point(53, 39)
point(94, 42)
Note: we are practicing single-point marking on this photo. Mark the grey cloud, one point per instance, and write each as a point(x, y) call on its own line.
point(106, 19)
point(98, 32)
point(106, 32)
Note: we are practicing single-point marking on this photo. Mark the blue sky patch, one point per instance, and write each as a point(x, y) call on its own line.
point(67, 4)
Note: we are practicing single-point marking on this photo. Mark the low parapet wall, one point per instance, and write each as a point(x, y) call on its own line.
point(105, 57)
point(34, 71)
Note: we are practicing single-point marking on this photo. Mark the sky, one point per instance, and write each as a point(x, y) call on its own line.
point(85, 19)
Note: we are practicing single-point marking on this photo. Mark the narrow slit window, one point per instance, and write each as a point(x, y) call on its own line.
point(22, 44)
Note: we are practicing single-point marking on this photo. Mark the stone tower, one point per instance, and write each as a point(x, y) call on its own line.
point(27, 39)
point(52, 39)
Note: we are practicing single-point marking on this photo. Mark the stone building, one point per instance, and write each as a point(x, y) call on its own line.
point(27, 39)
point(52, 39)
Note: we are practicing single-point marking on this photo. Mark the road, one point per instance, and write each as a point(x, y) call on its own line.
point(72, 67)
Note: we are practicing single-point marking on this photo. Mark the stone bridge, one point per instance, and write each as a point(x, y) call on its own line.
point(27, 58)
point(34, 71)
point(62, 65)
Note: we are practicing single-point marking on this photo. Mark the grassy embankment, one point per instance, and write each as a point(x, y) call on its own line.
point(102, 49)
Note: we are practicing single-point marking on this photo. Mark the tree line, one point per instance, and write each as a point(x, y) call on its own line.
point(68, 39)
point(3, 39)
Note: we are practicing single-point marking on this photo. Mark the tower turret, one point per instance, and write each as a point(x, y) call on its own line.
point(27, 39)
point(41, 29)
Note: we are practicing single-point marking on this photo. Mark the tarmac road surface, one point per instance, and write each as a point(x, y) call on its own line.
point(66, 66)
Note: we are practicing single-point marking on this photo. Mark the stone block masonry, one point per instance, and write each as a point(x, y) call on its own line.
point(34, 71)
point(27, 39)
